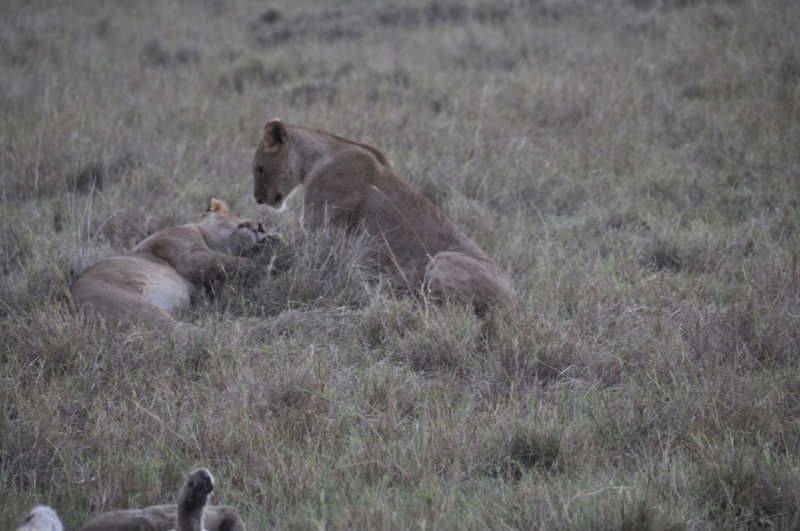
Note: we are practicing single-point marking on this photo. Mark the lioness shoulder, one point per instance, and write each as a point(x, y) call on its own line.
point(349, 184)
point(160, 274)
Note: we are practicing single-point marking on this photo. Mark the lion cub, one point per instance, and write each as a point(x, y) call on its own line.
point(352, 185)
point(159, 276)
point(190, 514)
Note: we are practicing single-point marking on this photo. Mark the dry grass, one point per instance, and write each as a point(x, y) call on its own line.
point(633, 165)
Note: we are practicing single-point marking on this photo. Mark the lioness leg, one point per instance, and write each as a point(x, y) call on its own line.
point(193, 500)
point(162, 518)
point(459, 277)
point(190, 514)
point(205, 267)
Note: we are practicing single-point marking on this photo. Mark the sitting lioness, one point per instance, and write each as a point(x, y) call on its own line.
point(158, 276)
point(190, 514)
point(348, 184)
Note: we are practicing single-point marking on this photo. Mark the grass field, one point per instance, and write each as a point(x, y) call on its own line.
point(632, 165)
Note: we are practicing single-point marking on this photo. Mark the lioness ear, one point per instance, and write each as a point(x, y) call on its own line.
point(217, 207)
point(274, 134)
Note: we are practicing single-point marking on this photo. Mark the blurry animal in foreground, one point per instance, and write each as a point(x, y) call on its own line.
point(352, 185)
point(41, 518)
point(190, 514)
point(158, 276)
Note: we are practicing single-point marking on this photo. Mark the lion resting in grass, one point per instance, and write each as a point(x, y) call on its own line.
point(159, 276)
point(190, 514)
point(352, 185)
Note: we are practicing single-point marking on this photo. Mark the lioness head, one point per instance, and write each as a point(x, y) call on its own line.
point(228, 233)
point(273, 174)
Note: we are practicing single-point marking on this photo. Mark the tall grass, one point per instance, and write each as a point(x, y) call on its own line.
point(631, 164)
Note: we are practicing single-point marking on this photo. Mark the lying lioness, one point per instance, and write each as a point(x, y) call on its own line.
point(352, 185)
point(190, 514)
point(158, 276)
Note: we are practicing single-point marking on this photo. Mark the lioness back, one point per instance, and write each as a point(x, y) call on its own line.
point(348, 184)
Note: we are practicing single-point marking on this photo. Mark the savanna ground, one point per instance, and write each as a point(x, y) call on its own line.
point(631, 164)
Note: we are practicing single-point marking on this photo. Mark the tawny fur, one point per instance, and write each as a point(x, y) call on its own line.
point(158, 276)
point(352, 185)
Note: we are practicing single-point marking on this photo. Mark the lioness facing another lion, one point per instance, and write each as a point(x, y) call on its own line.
point(348, 184)
point(158, 276)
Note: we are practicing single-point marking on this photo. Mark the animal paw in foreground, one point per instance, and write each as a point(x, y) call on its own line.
point(269, 243)
point(192, 513)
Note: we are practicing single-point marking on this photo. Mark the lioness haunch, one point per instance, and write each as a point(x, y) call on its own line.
point(349, 184)
point(160, 274)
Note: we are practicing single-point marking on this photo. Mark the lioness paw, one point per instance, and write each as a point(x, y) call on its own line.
point(200, 481)
point(272, 241)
